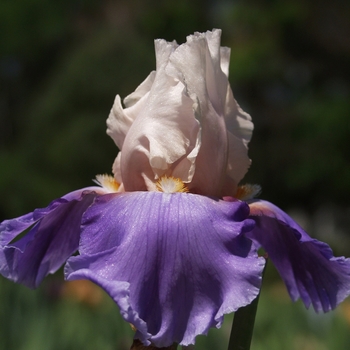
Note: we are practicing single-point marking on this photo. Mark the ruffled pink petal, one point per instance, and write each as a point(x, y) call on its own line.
point(163, 140)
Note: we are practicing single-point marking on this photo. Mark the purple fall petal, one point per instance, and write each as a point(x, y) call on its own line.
point(307, 266)
point(52, 237)
point(174, 263)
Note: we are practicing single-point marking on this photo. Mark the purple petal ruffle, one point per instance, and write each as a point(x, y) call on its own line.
point(307, 266)
point(52, 237)
point(174, 263)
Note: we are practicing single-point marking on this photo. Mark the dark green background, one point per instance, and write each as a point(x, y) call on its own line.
point(63, 62)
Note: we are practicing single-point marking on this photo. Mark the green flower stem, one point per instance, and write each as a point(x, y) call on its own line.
point(243, 325)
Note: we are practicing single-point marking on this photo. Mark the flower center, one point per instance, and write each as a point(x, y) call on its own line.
point(170, 184)
point(247, 191)
point(108, 182)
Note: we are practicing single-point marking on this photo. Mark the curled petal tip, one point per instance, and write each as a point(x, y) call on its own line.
point(307, 266)
point(52, 237)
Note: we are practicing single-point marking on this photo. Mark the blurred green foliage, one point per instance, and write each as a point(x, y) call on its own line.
point(61, 65)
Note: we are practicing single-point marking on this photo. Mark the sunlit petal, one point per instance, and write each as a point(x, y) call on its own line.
point(174, 263)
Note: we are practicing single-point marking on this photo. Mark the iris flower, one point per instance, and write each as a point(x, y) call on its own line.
point(172, 237)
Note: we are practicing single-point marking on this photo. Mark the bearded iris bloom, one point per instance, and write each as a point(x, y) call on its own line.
point(172, 237)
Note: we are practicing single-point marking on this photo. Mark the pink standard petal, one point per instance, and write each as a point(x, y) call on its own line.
point(307, 266)
point(197, 64)
point(173, 263)
point(163, 139)
point(239, 130)
point(120, 119)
